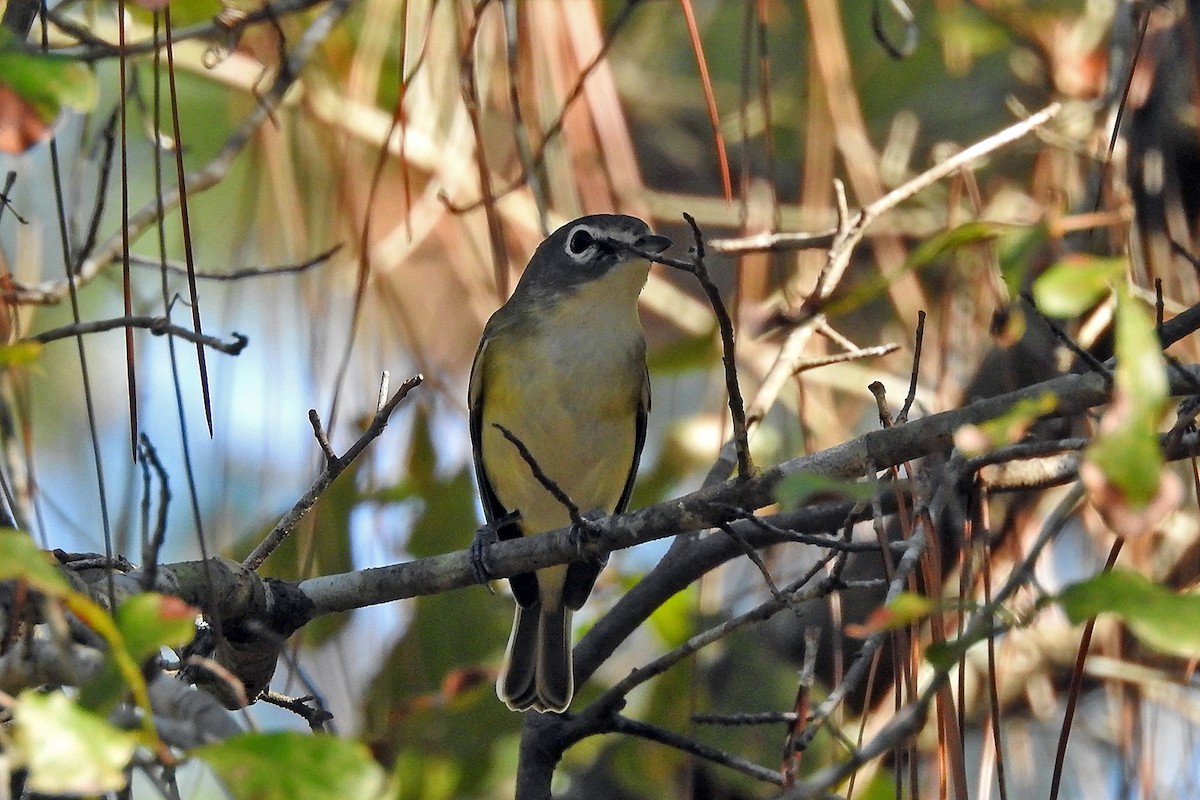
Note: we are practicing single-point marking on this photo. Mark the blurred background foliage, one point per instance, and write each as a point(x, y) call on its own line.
point(433, 143)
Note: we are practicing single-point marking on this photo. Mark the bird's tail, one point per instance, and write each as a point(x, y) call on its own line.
point(537, 671)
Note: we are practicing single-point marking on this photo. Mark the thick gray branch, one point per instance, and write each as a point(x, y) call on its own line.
point(703, 509)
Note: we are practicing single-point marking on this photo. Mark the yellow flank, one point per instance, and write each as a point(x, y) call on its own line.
point(568, 385)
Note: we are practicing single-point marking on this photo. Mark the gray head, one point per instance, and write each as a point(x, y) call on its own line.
point(586, 249)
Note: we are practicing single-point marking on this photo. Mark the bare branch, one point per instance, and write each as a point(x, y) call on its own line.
point(238, 274)
point(159, 326)
point(839, 254)
point(707, 508)
point(919, 338)
point(333, 468)
point(644, 730)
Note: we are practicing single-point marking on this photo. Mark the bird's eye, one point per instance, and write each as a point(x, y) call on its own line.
point(580, 241)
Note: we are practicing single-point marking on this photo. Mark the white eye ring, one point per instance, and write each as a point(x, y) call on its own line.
point(580, 241)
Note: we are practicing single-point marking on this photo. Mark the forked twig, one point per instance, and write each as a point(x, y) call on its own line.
point(333, 467)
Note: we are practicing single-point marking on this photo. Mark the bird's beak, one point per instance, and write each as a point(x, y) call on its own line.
point(652, 243)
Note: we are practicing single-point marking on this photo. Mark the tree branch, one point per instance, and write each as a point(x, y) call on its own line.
point(703, 509)
point(333, 467)
point(159, 326)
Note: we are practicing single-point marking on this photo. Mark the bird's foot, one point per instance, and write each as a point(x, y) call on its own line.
point(584, 531)
point(485, 536)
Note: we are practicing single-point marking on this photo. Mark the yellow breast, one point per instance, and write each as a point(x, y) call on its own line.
point(569, 388)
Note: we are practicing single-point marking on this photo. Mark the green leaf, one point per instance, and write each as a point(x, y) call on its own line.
point(183, 12)
point(21, 558)
point(46, 82)
point(905, 609)
point(944, 655)
point(684, 355)
point(673, 620)
point(1131, 460)
point(798, 488)
point(1126, 450)
point(1007, 428)
point(1141, 369)
point(928, 252)
point(150, 621)
point(20, 354)
point(423, 777)
point(147, 622)
point(1016, 251)
point(67, 749)
point(1075, 284)
point(908, 607)
point(1160, 618)
point(294, 766)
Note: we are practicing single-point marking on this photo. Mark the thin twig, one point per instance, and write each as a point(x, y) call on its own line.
point(156, 325)
point(846, 236)
point(754, 557)
point(512, 52)
point(314, 419)
point(107, 145)
point(1187, 254)
point(385, 382)
point(817, 540)
point(623, 724)
point(555, 128)
point(797, 591)
point(5, 203)
point(238, 274)
point(862, 661)
point(909, 719)
point(737, 406)
point(470, 95)
point(315, 717)
point(1076, 686)
point(152, 541)
point(540, 475)
point(746, 718)
point(774, 242)
point(1095, 364)
point(800, 706)
point(916, 370)
point(1159, 307)
point(841, 358)
point(333, 468)
point(885, 413)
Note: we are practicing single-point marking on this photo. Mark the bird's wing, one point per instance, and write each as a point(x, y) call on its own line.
point(524, 586)
point(639, 441)
point(493, 510)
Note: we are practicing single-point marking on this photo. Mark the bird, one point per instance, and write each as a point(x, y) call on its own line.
point(561, 368)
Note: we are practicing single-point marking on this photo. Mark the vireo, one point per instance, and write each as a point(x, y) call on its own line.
point(562, 366)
